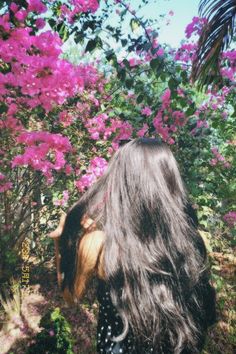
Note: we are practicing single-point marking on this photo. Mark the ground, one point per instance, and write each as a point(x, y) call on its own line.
point(19, 328)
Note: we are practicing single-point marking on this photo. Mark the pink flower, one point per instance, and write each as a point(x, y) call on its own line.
point(40, 23)
point(213, 162)
point(14, 7)
point(160, 52)
point(166, 98)
point(36, 6)
point(68, 169)
point(63, 201)
point(134, 62)
point(146, 111)
point(65, 118)
point(143, 130)
point(227, 165)
point(96, 169)
point(195, 26)
point(230, 218)
point(171, 141)
point(5, 187)
point(21, 15)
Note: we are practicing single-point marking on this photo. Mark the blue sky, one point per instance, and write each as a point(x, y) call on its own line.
point(184, 11)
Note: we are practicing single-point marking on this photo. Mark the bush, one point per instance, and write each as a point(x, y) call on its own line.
point(55, 337)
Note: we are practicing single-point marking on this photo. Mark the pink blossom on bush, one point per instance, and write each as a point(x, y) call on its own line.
point(42, 77)
point(230, 218)
point(85, 5)
point(40, 23)
point(4, 23)
point(21, 15)
point(68, 169)
point(96, 169)
point(134, 62)
point(161, 129)
point(195, 27)
point(186, 52)
point(143, 130)
point(218, 158)
point(160, 52)
point(65, 118)
point(44, 152)
point(166, 98)
point(213, 162)
point(4, 184)
point(36, 6)
point(14, 7)
point(179, 118)
point(51, 333)
point(63, 201)
point(97, 126)
point(146, 111)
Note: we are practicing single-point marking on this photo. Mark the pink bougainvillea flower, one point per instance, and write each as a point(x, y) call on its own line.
point(96, 169)
point(21, 15)
point(143, 130)
point(40, 23)
point(195, 27)
point(230, 218)
point(36, 6)
point(146, 111)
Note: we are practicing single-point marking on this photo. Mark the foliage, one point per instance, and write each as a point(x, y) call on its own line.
point(216, 36)
point(62, 121)
point(55, 336)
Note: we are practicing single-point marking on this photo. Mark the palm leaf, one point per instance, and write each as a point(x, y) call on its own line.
point(216, 37)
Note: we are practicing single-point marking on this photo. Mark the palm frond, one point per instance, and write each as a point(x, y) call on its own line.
point(216, 37)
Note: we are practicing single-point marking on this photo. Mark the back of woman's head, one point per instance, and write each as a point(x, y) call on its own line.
point(154, 258)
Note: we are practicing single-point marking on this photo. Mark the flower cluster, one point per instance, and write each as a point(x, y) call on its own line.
point(62, 201)
point(75, 7)
point(96, 169)
point(166, 120)
point(195, 27)
point(230, 218)
point(186, 52)
point(44, 152)
point(38, 72)
point(218, 159)
point(4, 183)
point(101, 127)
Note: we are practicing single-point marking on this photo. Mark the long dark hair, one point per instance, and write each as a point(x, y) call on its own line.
point(154, 257)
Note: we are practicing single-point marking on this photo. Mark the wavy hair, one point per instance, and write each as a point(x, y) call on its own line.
point(154, 257)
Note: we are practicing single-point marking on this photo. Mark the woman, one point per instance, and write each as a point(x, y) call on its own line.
point(136, 231)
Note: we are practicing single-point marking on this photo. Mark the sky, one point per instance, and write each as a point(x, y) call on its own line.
point(184, 11)
point(172, 34)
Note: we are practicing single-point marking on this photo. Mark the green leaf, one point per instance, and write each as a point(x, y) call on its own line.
point(190, 110)
point(121, 73)
point(3, 107)
point(140, 98)
point(126, 63)
point(154, 63)
point(129, 83)
point(124, 42)
point(172, 83)
point(91, 45)
point(134, 24)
